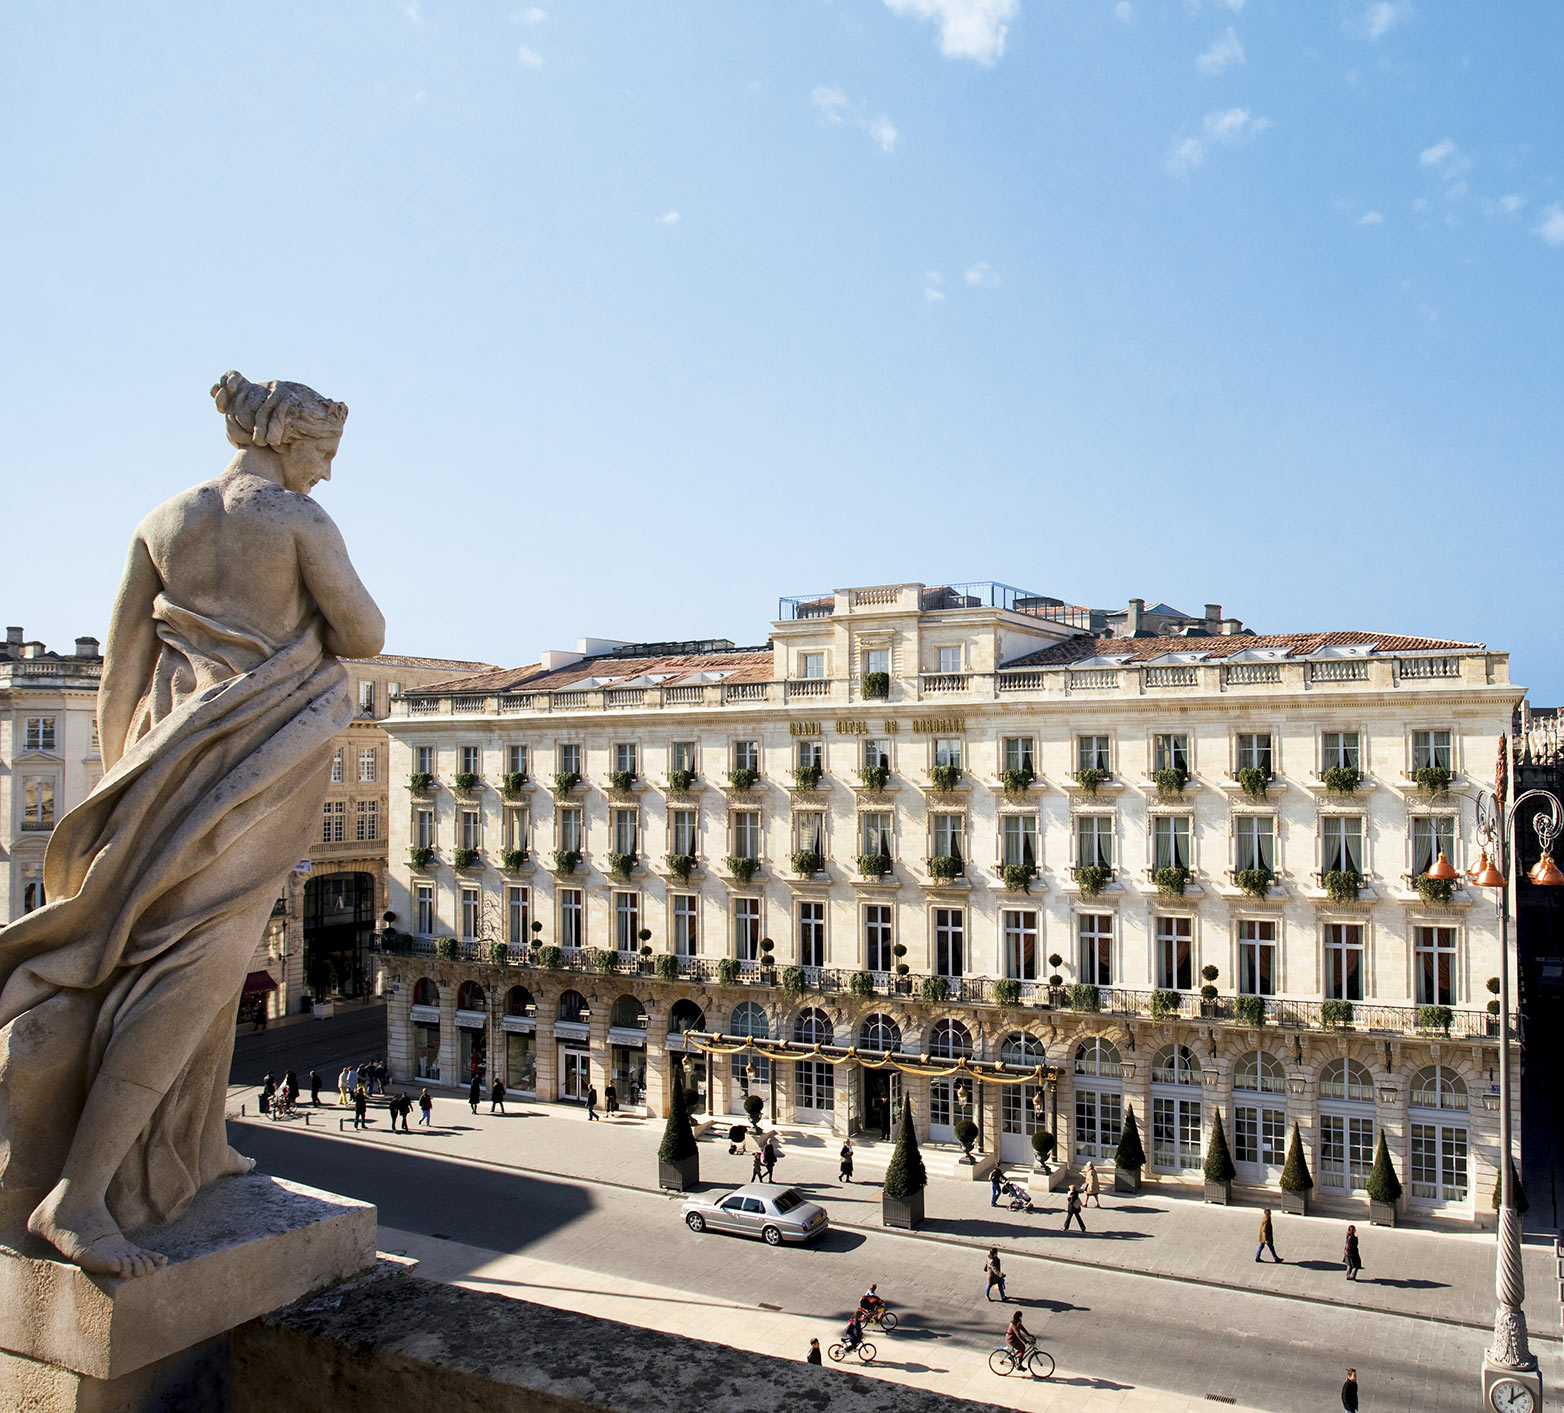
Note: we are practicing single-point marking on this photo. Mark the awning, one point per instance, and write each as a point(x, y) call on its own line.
point(259, 981)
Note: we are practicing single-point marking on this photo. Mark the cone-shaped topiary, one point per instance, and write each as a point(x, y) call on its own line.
point(678, 1140)
point(1516, 1190)
point(1129, 1155)
point(1219, 1162)
point(906, 1174)
point(1383, 1184)
point(1295, 1174)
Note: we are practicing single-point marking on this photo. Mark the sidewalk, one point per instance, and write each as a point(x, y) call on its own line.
point(1441, 1276)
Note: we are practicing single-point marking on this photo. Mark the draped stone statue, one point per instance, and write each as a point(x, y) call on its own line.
point(221, 693)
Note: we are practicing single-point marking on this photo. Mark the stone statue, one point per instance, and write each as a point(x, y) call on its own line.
point(220, 697)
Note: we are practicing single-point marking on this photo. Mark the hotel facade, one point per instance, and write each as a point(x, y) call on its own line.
point(928, 825)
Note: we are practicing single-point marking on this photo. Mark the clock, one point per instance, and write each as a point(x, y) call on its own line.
point(1508, 1396)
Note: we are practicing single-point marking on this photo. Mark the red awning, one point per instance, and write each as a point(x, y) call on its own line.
point(259, 981)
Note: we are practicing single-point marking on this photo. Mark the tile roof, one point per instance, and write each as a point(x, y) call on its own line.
point(751, 665)
point(455, 664)
point(1296, 645)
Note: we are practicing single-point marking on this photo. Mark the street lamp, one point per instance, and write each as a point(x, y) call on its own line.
point(1510, 1376)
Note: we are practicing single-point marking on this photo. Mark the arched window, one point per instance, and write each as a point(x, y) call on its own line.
point(1347, 1079)
point(1260, 1072)
point(749, 1019)
point(950, 1040)
point(425, 992)
point(1438, 1087)
point(1097, 1057)
point(573, 1007)
point(519, 1002)
point(469, 996)
point(628, 1014)
point(813, 1027)
point(879, 1032)
point(1021, 1050)
point(686, 1015)
point(1175, 1064)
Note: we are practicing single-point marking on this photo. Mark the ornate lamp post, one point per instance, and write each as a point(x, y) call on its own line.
point(1511, 1382)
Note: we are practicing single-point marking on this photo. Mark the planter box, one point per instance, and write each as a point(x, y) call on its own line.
point(1382, 1214)
point(1125, 1180)
point(906, 1213)
point(966, 1159)
point(1220, 1193)
point(680, 1175)
point(1295, 1202)
point(1059, 1178)
point(325, 1010)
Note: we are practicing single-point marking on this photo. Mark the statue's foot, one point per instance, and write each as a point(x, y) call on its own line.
point(85, 1233)
point(235, 1164)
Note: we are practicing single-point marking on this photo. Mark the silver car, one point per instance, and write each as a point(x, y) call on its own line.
point(762, 1209)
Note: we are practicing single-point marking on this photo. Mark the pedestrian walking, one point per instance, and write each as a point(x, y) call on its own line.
point(996, 1185)
point(1349, 1392)
point(591, 1102)
point(1266, 1238)
point(360, 1107)
point(769, 1156)
point(1072, 1208)
point(1349, 1255)
point(401, 1107)
point(474, 1094)
point(814, 1352)
point(885, 1116)
point(756, 1163)
point(1093, 1187)
point(268, 1088)
point(342, 1087)
point(995, 1274)
point(610, 1099)
point(315, 1088)
point(497, 1096)
point(846, 1173)
point(352, 1081)
point(425, 1108)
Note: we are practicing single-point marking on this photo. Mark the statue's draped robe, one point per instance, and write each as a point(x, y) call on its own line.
point(167, 870)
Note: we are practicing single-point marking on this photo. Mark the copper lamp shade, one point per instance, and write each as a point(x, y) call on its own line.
point(1487, 875)
point(1442, 869)
point(1545, 873)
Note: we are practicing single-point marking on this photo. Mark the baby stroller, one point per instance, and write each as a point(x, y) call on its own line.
point(1020, 1198)
point(736, 1136)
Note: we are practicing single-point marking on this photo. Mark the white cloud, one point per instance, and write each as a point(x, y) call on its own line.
point(831, 102)
point(1550, 229)
point(1371, 218)
point(411, 10)
point(1234, 125)
point(1449, 163)
point(1234, 5)
point(1510, 203)
point(1185, 156)
point(834, 107)
point(1379, 18)
point(932, 293)
point(534, 15)
point(981, 275)
point(1124, 12)
point(883, 131)
point(530, 57)
point(968, 29)
point(669, 218)
point(1225, 51)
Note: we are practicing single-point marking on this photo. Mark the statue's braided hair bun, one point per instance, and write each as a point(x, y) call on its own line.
point(270, 414)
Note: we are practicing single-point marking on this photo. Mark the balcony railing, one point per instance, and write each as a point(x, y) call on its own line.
point(809, 687)
point(566, 700)
point(1094, 679)
point(1020, 682)
point(1172, 676)
point(625, 697)
point(744, 691)
point(422, 706)
point(1254, 674)
point(1339, 671)
point(1414, 667)
point(947, 682)
point(675, 696)
point(467, 702)
point(515, 702)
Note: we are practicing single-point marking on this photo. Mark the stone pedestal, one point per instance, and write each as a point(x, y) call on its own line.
point(90, 1344)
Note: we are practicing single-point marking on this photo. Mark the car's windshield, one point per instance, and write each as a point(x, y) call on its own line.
point(786, 1201)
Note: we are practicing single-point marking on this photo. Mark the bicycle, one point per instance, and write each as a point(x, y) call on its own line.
point(865, 1352)
point(881, 1316)
point(1037, 1362)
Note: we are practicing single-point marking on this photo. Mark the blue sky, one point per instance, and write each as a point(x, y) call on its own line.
point(647, 314)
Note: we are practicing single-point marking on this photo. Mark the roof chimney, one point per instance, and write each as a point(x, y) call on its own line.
point(86, 647)
point(1213, 615)
point(1132, 618)
point(13, 637)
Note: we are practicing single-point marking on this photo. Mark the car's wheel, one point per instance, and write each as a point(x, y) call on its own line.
point(887, 1320)
point(695, 1222)
point(773, 1236)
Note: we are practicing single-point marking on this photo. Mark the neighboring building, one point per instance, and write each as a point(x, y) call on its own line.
point(1121, 814)
point(49, 757)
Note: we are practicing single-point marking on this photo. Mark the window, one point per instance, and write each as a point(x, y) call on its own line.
point(1175, 1133)
point(811, 934)
point(1347, 1080)
point(1260, 1073)
point(947, 751)
point(1255, 841)
point(570, 760)
point(625, 826)
point(467, 828)
point(877, 939)
point(470, 762)
point(1346, 1151)
point(809, 831)
point(746, 834)
point(1430, 748)
point(1019, 931)
point(425, 909)
point(949, 941)
point(877, 660)
point(366, 698)
point(1091, 753)
point(1433, 959)
point(624, 756)
point(945, 835)
point(517, 919)
point(38, 734)
point(423, 829)
point(423, 759)
point(877, 754)
point(568, 823)
point(1097, 1058)
point(627, 922)
point(811, 755)
point(333, 828)
point(516, 821)
point(1099, 1120)
point(746, 929)
point(681, 832)
point(682, 911)
point(950, 659)
point(1438, 1087)
point(681, 756)
point(367, 823)
point(1341, 843)
point(1175, 1064)
point(950, 1040)
point(1175, 953)
point(879, 1032)
point(1257, 957)
point(1016, 753)
point(814, 1086)
point(1432, 835)
point(336, 766)
point(516, 760)
point(469, 914)
point(1343, 961)
point(746, 755)
point(877, 832)
point(38, 802)
point(1338, 748)
point(1170, 841)
point(1254, 750)
point(572, 931)
point(811, 664)
point(1438, 1168)
point(1094, 840)
point(1018, 839)
point(748, 1019)
point(1170, 751)
point(1095, 931)
point(366, 764)
point(33, 896)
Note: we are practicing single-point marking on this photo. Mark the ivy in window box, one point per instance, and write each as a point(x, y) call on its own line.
point(679, 781)
point(619, 865)
point(511, 783)
point(1171, 881)
point(1170, 782)
point(1433, 779)
point(727, 971)
point(1335, 1015)
point(1434, 890)
point(806, 777)
point(604, 961)
point(465, 858)
point(445, 948)
point(666, 966)
point(512, 859)
point(743, 778)
point(420, 782)
point(876, 686)
point(861, 985)
point(466, 781)
point(680, 866)
point(743, 869)
point(420, 856)
point(565, 781)
point(875, 777)
point(945, 778)
point(565, 861)
point(1164, 1004)
point(1342, 779)
point(1256, 882)
point(1018, 877)
point(793, 980)
point(934, 989)
point(1017, 781)
point(1007, 991)
point(1085, 997)
point(1342, 885)
point(806, 863)
point(1249, 1010)
point(874, 865)
point(1091, 879)
point(1254, 781)
point(619, 781)
point(1439, 1018)
point(1090, 778)
point(944, 867)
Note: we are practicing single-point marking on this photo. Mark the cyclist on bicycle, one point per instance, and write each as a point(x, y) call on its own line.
point(853, 1335)
point(870, 1303)
point(1018, 1337)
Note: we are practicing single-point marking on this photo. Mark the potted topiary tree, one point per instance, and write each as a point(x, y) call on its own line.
point(1043, 1146)
point(901, 1198)
point(1220, 1171)
point(754, 1105)
point(966, 1136)
point(1384, 1187)
point(1492, 1025)
point(1057, 995)
point(1208, 992)
point(1296, 1179)
point(1129, 1157)
point(678, 1157)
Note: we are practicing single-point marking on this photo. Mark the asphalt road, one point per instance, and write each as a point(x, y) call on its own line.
point(356, 1034)
point(1128, 1330)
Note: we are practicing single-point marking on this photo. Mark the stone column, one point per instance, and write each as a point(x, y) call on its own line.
point(548, 1057)
point(450, 1051)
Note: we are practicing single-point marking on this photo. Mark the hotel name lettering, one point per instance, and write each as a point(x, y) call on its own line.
point(848, 726)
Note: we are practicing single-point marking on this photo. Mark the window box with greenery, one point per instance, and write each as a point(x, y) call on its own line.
point(806, 863)
point(680, 781)
point(512, 859)
point(1209, 1005)
point(944, 868)
point(874, 777)
point(551, 958)
point(1172, 881)
point(1090, 778)
point(743, 778)
point(1435, 1020)
point(1091, 879)
point(945, 778)
point(1342, 779)
point(1433, 779)
point(564, 782)
point(1018, 877)
point(1256, 882)
point(565, 861)
point(901, 1196)
point(1018, 781)
point(465, 858)
point(876, 686)
point(681, 866)
point(666, 967)
point(861, 985)
point(1384, 1187)
point(742, 869)
point(445, 948)
point(420, 782)
point(1343, 885)
point(1336, 1015)
point(1129, 1157)
point(1254, 781)
point(1219, 1169)
point(793, 980)
point(1085, 998)
point(420, 856)
point(727, 971)
point(1007, 992)
point(511, 783)
point(1170, 782)
point(1297, 1181)
point(807, 777)
point(621, 781)
point(678, 1156)
point(874, 865)
point(1249, 1010)
point(604, 962)
point(619, 865)
point(466, 781)
point(1165, 1004)
point(934, 990)
point(1434, 890)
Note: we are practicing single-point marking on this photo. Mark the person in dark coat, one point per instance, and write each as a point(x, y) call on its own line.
point(755, 1166)
point(360, 1107)
point(814, 1352)
point(425, 1108)
point(768, 1156)
point(315, 1088)
point(1350, 1256)
point(291, 1079)
point(1072, 1208)
point(1266, 1237)
point(996, 1183)
point(611, 1099)
point(497, 1097)
point(591, 1101)
point(996, 1275)
point(846, 1173)
point(268, 1088)
point(885, 1117)
point(474, 1094)
point(1349, 1392)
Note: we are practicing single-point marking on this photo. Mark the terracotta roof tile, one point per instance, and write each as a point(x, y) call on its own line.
point(453, 663)
point(1296, 644)
point(752, 665)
